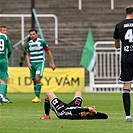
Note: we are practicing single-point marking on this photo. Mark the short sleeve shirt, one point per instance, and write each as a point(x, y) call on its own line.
point(124, 32)
point(36, 50)
point(5, 45)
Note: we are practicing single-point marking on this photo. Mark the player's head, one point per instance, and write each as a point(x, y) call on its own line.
point(31, 30)
point(33, 34)
point(3, 29)
point(129, 9)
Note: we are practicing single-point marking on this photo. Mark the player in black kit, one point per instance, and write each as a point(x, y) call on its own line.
point(124, 33)
point(72, 110)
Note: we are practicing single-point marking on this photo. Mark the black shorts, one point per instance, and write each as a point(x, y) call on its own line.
point(58, 106)
point(126, 72)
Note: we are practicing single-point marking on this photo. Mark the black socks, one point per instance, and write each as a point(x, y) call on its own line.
point(46, 106)
point(126, 101)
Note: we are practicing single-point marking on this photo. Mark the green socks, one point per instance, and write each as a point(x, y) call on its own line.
point(3, 89)
point(37, 89)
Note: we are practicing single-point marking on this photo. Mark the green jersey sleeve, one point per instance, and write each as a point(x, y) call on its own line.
point(9, 47)
point(44, 44)
point(5, 47)
point(27, 47)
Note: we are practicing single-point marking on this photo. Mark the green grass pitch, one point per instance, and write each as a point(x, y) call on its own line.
point(22, 116)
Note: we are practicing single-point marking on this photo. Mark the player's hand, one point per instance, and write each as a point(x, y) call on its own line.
point(92, 109)
point(29, 66)
point(52, 65)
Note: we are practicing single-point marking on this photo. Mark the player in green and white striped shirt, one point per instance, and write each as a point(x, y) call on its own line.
point(35, 57)
point(5, 52)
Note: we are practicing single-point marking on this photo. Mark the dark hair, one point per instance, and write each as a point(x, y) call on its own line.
point(2, 26)
point(129, 9)
point(33, 30)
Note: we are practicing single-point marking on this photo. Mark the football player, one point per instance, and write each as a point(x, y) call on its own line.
point(72, 110)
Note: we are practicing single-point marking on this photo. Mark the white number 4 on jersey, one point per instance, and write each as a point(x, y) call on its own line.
point(129, 35)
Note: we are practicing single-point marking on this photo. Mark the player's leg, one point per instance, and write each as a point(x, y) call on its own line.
point(3, 81)
point(36, 99)
point(48, 98)
point(3, 88)
point(77, 100)
point(1, 99)
point(39, 74)
point(50, 95)
point(78, 94)
point(126, 77)
point(37, 88)
point(126, 100)
point(36, 77)
point(32, 76)
point(3, 76)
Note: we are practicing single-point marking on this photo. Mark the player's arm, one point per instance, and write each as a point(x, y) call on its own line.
point(85, 109)
point(117, 43)
point(9, 47)
point(116, 37)
point(52, 64)
point(28, 60)
point(48, 51)
point(28, 56)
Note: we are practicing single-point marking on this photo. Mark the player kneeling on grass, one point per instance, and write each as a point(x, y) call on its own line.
point(72, 110)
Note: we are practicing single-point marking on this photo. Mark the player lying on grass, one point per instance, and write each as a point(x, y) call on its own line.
point(72, 110)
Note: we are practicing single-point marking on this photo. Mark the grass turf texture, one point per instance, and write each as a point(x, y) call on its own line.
point(22, 116)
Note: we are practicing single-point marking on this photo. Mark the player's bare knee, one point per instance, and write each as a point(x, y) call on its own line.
point(50, 95)
point(78, 94)
point(37, 79)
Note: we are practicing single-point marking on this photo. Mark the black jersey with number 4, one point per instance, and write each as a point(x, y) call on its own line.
point(124, 32)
